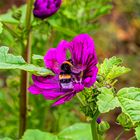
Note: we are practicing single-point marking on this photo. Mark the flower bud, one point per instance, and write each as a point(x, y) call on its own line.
point(46, 8)
point(98, 120)
point(17, 14)
point(102, 127)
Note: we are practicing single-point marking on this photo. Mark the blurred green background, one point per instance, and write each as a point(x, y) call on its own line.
point(115, 28)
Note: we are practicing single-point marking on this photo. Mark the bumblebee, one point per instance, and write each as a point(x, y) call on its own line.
point(64, 77)
point(65, 74)
point(66, 66)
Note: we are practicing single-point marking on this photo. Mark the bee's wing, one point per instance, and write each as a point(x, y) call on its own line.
point(77, 69)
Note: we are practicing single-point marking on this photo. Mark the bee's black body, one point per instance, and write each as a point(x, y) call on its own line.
point(65, 75)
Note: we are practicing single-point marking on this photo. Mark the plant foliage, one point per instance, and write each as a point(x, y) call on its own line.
point(9, 61)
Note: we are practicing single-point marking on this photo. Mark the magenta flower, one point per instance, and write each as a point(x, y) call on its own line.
point(71, 75)
point(46, 8)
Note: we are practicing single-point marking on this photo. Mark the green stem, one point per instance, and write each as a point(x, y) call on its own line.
point(118, 137)
point(133, 138)
point(26, 53)
point(93, 122)
point(79, 98)
point(94, 126)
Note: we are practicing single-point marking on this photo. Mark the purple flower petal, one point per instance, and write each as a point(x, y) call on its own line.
point(82, 48)
point(34, 89)
point(90, 77)
point(49, 82)
point(64, 99)
point(48, 94)
point(84, 57)
point(51, 61)
point(78, 87)
point(48, 86)
point(55, 57)
point(52, 94)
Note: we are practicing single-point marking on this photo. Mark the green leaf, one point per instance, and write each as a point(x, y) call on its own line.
point(64, 30)
point(6, 138)
point(117, 71)
point(106, 100)
point(8, 17)
point(79, 131)
point(111, 68)
point(105, 9)
point(34, 134)
point(6, 58)
point(137, 132)
point(129, 99)
point(124, 121)
point(102, 10)
point(69, 14)
point(107, 65)
point(1, 27)
point(9, 61)
point(37, 57)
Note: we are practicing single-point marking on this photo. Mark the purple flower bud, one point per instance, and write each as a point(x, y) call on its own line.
point(46, 8)
point(98, 120)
